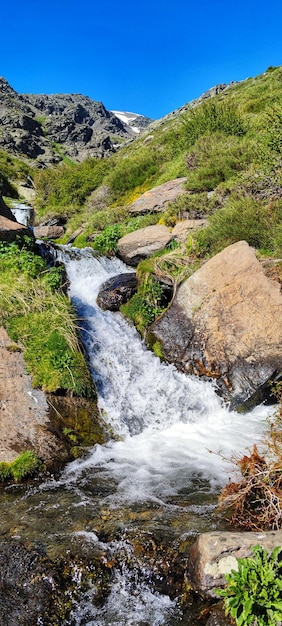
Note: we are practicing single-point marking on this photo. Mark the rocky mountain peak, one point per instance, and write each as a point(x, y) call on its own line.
point(50, 127)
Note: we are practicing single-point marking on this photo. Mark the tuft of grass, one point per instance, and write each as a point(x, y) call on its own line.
point(5, 472)
point(25, 466)
point(255, 221)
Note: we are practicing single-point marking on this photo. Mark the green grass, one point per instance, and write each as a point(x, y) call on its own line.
point(211, 144)
point(36, 313)
point(26, 465)
point(243, 218)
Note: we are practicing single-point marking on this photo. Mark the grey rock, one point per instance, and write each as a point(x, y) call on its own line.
point(50, 232)
point(117, 291)
point(11, 231)
point(45, 127)
point(142, 243)
point(5, 211)
point(215, 554)
point(156, 199)
point(24, 419)
point(218, 617)
point(181, 230)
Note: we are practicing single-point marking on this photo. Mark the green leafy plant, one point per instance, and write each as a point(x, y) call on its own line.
point(253, 596)
point(106, 242)
point(145, 305)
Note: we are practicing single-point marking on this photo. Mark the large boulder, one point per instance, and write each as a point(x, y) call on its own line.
point(49, 232)
point(142, 243)
point(225, 323)
point(117, 291)
point(156, 199)
point(5, 211)
point(215, 554)
point(12, 231)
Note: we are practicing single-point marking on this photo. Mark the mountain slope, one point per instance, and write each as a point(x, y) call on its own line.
point(51, 128)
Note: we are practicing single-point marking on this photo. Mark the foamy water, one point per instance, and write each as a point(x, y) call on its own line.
point(171, 427)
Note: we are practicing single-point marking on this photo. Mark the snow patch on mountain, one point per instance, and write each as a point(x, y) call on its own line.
point(134, 121)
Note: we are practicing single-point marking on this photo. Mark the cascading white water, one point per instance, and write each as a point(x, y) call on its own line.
point(23, 213)
point(170, 427)
point(154, 480)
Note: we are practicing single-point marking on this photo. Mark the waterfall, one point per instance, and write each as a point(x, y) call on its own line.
point(23, 213)
point(169, 428)
point(171, 434)
point(131, 507)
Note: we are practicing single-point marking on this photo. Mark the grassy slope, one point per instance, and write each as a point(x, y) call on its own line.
point(229, 147)
point(213, 160)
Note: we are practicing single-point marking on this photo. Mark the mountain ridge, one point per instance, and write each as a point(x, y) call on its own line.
point(49, 128)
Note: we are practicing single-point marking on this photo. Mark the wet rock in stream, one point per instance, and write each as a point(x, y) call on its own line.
point(37, 590)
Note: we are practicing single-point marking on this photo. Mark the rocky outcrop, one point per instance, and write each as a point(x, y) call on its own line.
point(215, 554)
point(10, 230)
point(156, 199)
point(47, 127)
point(24, 421)
point(142, 243)
point(225, 323)
point(134, 121)
point(116, 291)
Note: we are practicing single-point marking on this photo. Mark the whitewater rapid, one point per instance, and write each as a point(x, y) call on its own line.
point(168, 428)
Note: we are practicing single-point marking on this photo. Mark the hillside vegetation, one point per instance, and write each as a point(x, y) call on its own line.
point(229, 144)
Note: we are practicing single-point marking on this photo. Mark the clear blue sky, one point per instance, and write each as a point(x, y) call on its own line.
point(148, 56)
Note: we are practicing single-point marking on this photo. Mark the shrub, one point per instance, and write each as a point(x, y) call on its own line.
point(255, 499)
point(253, 596)
point(66, 187)
point(131, 171)
point(217, 158)
point(43, 320)
point(14, 258)
point(243, 218)
point(211, 116)
point(106, 242)
point(145, 305)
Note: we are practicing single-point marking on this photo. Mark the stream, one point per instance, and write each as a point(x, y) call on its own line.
point(137, 502)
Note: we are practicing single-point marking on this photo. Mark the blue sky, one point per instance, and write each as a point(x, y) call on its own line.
point(148, 56)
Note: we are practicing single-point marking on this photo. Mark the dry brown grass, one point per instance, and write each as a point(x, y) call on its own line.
point(255, 500)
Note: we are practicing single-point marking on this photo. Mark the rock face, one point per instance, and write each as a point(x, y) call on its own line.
point(215, 554)
point(116, 291)
point(24, 422)
point(46, 127)
point(142, 243)
point(156, 199)
point(225, 322)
